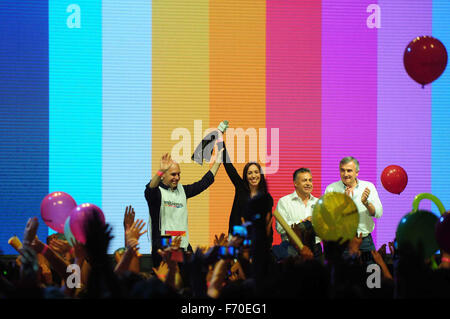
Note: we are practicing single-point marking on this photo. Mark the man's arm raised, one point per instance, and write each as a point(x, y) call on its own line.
point(166, 162)
point(206, 181)
point(217, 163)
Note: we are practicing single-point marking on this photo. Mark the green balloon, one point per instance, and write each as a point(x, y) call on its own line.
point(417, 228)
point(431, 197)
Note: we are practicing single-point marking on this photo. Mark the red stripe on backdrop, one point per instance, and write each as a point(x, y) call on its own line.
point(293, 91)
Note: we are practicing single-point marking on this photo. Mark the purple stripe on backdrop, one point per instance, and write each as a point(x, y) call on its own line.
point(404, 110)
point(349, 89)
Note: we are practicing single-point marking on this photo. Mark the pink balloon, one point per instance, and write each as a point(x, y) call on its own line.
point(55, 208)
point(79, 216)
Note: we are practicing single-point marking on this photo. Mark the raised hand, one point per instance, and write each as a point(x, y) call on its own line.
point(219, 156)
point(218, 278)
point(377, 257)
point(78, 250)
point(98, 237)
point(128, 218)
point(30, 230)
point(176, 242)
point(37, 245)
point(166, 162)
point(349, 191)
point(382, 251)
point(365, 196)
point(161, 271)
point(223, 126)
point(217, 162)
point(221, 240)
point(354, 244)
point(380, 261)
point(60, 246)
point(135, 231)
point(391, 248)
point(172, 265)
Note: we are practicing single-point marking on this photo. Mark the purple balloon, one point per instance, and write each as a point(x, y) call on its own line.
point(79, 216)
point(442, 232)
point(55, 208)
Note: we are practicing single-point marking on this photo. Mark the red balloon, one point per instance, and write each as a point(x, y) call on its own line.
point(425, 59)
point(394, 179)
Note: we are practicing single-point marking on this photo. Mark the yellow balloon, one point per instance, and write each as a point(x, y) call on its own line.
point(335, 216)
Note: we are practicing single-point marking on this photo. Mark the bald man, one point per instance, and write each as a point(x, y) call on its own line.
point(167, 202)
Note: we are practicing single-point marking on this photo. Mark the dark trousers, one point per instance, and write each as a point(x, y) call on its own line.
point(367, 244)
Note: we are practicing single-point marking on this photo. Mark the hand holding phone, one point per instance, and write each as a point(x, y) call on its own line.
point(240, 231)
point(166, 241)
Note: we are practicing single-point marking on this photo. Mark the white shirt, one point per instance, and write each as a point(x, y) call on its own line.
point(173, 212)
point(293, 210)
point(366, 224)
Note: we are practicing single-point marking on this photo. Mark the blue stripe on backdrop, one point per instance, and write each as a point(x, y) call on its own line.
point(75, 106)
point(440, 140)
point(23, 116)
point(126, 112)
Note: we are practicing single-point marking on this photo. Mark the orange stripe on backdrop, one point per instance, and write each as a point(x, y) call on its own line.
point(180, 94)
point(237, 87)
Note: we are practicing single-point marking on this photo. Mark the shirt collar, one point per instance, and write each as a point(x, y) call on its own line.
point(343, 185)
point(295, 196)
point(161, 184)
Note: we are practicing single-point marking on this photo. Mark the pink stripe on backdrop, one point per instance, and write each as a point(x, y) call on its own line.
point(293, 90)
point(349, 89)
point(404, 110)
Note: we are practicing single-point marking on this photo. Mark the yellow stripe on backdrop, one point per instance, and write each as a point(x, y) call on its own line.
point(180, 95)
point(237, 88)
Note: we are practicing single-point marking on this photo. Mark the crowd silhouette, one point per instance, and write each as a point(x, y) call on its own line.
point(250, 270)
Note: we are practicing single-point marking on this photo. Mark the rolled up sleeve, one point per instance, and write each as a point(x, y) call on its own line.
point(282, 210)
point(374, 199)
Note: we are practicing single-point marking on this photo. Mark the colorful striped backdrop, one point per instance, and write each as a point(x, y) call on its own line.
point(93, 92)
